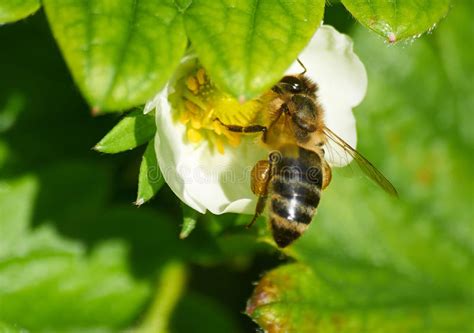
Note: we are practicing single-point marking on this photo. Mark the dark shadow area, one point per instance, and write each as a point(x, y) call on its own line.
point(336, 15)
point(228, 287)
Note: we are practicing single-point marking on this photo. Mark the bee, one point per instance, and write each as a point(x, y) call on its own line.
point(296, 171)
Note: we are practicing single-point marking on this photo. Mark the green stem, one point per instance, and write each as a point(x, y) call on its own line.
point(170, 286)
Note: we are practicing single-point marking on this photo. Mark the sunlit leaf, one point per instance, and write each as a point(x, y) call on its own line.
point(16, 204)
point(14, 10)
point(247, 45)
point(40, 265)
point(7, 328)
point(87, 276)
point(120, 52)
point(397, 20)
point(294, 298)
point(132, 131)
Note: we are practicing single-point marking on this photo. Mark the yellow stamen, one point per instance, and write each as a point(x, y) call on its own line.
point(192, 84)
point(234, 138)
point(184, 118)
point(219, 145)
point(191, 107)
point(196, 123)
point(194, 135)
point(201, 76)
point(200, 103)
point(218, 128)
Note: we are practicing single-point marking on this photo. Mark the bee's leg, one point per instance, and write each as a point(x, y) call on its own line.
point(260, 177)
point(262, 201)
point(243, 129)
point(327, 174)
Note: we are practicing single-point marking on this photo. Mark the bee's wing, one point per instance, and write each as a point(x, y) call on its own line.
point(366, 167)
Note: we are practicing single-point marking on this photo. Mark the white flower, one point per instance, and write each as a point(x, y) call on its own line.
point(205, 179)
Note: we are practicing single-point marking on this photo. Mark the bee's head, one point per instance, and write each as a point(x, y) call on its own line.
point(295, 84)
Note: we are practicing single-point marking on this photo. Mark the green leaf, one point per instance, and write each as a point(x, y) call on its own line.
point(38, 265)
point(120, 53)
point(372, 264)
point(7, 328)
point(150, 179)
point(132, 131)
point(294, 298)
point(398, 20)
point(71, 283)
point(16, 204)
point(247, 45)
point(91, 266)
point(14, 10)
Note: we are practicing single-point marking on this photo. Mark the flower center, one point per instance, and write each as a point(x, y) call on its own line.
point(199, 103)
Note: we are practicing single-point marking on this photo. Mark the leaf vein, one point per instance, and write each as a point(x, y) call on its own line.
point(250, 40)
point(122, 52)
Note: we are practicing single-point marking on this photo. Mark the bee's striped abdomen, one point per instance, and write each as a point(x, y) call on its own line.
point(295, 192)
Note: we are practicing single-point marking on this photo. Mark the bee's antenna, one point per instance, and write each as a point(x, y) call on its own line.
point(301, 64)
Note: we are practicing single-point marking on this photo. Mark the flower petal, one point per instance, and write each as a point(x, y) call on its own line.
point(342, 81)
point(220, 183)
point(199, 176)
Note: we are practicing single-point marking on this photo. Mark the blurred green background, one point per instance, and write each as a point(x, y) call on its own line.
point(78, 256)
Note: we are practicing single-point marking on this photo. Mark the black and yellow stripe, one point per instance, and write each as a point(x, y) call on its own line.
point(295, 192)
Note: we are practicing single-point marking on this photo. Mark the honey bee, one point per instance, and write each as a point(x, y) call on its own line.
point(296, 171)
